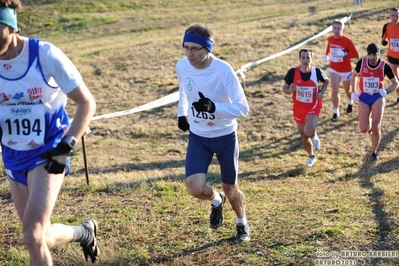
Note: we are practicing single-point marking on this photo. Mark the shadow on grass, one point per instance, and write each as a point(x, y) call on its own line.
point(181, 254)
point(264, 175)
point(292, 142)
point(365, 173)
point(133, 167)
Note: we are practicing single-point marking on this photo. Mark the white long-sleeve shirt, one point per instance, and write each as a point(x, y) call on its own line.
point(220, 84)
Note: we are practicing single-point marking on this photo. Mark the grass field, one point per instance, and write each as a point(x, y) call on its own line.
point(127, 51)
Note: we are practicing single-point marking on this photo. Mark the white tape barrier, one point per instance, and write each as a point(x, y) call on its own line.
point(174, 97)
point(261, 61)
point(160, 102)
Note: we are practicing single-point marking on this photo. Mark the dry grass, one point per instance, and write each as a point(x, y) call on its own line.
point(136, 162)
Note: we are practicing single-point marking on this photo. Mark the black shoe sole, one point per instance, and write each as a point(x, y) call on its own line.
point(91, 251)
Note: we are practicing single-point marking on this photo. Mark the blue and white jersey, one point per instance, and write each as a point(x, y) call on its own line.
point(33, 88)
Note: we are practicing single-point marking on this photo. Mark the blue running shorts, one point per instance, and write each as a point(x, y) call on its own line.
point(369, 99)
point(21, 176)
point(200, 152)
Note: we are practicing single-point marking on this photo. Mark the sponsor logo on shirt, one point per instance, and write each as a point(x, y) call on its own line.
point(11, 142)
point(3, 98)
point(189, 84)
point(35, 93)
point(32, 144)
point(18, 96)
point(20, 111)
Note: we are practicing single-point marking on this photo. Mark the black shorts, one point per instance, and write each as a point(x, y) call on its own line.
point(393, 60)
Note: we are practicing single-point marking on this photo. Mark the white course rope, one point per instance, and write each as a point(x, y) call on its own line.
point(160, 102)
point(174, 97)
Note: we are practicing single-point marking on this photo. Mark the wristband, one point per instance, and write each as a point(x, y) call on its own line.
point(71, 141)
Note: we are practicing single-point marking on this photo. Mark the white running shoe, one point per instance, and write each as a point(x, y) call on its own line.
point(316, 142)
point(312, 159)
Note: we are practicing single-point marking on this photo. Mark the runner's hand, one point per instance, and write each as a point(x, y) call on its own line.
point(292, 87)
point(341, 53)
point(204, 104)
point(355, 96)
point(183, 123)
point(383, 92)
point(56, 158)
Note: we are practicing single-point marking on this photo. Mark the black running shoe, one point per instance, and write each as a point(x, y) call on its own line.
point(91, 251)
point(243, 233)
point(349, 109)
point(334, 118)
point(374, 157)
point(216, 218)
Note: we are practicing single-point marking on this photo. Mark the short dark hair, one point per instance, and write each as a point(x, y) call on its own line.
point(394, 9)
point(373, 48)
point(337, 21)
point(199, 29)
point(305, 50)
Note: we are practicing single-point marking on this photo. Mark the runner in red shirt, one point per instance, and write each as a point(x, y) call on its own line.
point(340, 50)
point(390, 34)
point(372, 71)
point(307, 96)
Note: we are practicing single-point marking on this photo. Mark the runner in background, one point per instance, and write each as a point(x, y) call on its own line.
point(372, 71)
point(307, 96)
point(390, 35)
point(340, 50)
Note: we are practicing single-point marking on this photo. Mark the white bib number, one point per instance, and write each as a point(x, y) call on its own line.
point(335, 55)
point(23, 126)
point(394, 44)
point(371, 85)
point(204, 117)
point(304, 94)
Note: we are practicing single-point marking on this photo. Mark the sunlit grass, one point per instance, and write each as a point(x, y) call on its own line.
point(127, 51)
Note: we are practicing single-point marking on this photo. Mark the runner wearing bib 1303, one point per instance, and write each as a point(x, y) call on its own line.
point(371, 81)
point(372, 71)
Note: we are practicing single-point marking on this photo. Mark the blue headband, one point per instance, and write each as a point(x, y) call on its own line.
point(8, 16)
point(207, 43)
